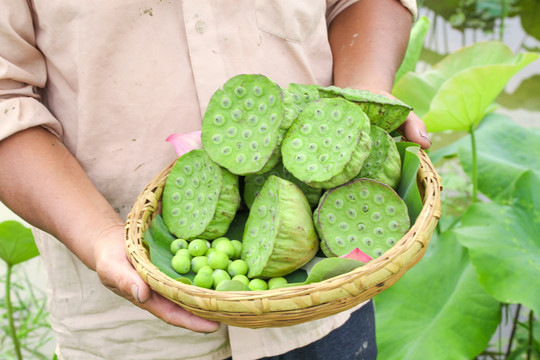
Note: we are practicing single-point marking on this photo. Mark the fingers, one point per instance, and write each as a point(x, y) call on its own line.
point(414, 130)
point(116, 273)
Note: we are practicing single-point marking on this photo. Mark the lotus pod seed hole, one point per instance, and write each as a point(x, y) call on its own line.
point(226, 150)
point(312, 147)
point(361, 227)
point(219, 120)
point(336, 115)
point(391, 241)
point(323, 158)
point(263, 128)
point(297, 143)
point(300, 158)
point(262, 109)
point(188, 170)
point(247, 134)
point(338, 204)
point(226, 102)
point(236, 114)
point(253, 145)
point(340, 241)
point(327, 142)
point(351, 197)
point(390, 210)
point(376, 216)
point(271, 100)
point(364, 193)
point(267, 141)
point(175, 212)
point(180, 181)
point(189, 194)
point(368, 241)
point(240, 91)
point(350, 120)
point(323, 128)
point(319, 114)
point(379, 199)
point(195, 214)
point(394, 225)
point(331, 218)
point(257, 91)
point(305, 129)
point(339, 131)
point(232, 131)
point(378, 252)
point(256, 157)
point(182, 222)
point(351, 213)
point(344, 226)
point(312, 168)
point(273, 118)
point(365, 208)
point(248, 104)
point(378, 231)
point(195, 182)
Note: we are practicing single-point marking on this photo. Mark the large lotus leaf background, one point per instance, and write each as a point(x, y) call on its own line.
point(456, 93)
point(504, 244)
point(437, 310)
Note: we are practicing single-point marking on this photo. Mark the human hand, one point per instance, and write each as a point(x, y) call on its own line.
point(116, 273)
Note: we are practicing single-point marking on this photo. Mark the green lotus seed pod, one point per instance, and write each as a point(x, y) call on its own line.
point(382, 111)
point(378, 153)
point(363, 214)
point(327, 144)
point(279, 236)
point(200, 199)
point(254, 183)
point(242, 126)
point(390, 173)
point(303, 95)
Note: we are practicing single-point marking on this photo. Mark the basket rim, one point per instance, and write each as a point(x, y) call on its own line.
point(375, 276)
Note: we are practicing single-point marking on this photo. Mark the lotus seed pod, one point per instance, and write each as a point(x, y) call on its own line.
point(390, 173)
point(303, 95)
point(242, 127)
point(200, 199)
point(378, 153)
point(363, 214)
point(254, 183)
point(382, 111)
point(327, 144)
point(279, 236)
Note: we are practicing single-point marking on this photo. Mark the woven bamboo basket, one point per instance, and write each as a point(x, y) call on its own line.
point(292, 305)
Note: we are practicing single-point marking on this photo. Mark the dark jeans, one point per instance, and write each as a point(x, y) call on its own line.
point(353, 340)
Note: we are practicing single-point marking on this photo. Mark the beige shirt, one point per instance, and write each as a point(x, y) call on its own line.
point(114, 79)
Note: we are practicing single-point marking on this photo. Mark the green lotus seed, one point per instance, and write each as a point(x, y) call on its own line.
point(378, 231)
point(226, 102)
point(368, 241)
point(219, 120)
point(306, 129)
point(376, 216)
point(226, 150)
point(257, 90)
point(361, 227)
point(351, 213)
point(323, 128)
point(262, 109)
point(248, 104)
point(240, 91)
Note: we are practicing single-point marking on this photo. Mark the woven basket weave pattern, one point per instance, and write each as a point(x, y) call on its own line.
point(292, 305)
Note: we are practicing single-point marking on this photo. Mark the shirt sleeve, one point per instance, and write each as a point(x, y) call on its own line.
point(334, 7)
point(22, 73)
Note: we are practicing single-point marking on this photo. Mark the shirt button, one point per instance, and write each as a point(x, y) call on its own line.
point(200, 26)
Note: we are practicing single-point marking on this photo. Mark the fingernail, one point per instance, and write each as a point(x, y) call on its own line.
point(135, 292)
point(424, 135)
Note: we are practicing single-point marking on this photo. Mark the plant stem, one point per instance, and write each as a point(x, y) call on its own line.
point(529, 351)
point(514, 326)
point(474, 165)
point(9, 310)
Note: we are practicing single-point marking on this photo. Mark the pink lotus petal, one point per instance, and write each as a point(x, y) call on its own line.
point(184, 143)
point(359, 255)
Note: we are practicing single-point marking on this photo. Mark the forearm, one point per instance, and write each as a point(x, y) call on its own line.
point(368, 41)
point(44, 184)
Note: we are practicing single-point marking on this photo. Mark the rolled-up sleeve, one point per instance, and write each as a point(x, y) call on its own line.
point(336, 6)
point(22, 72)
